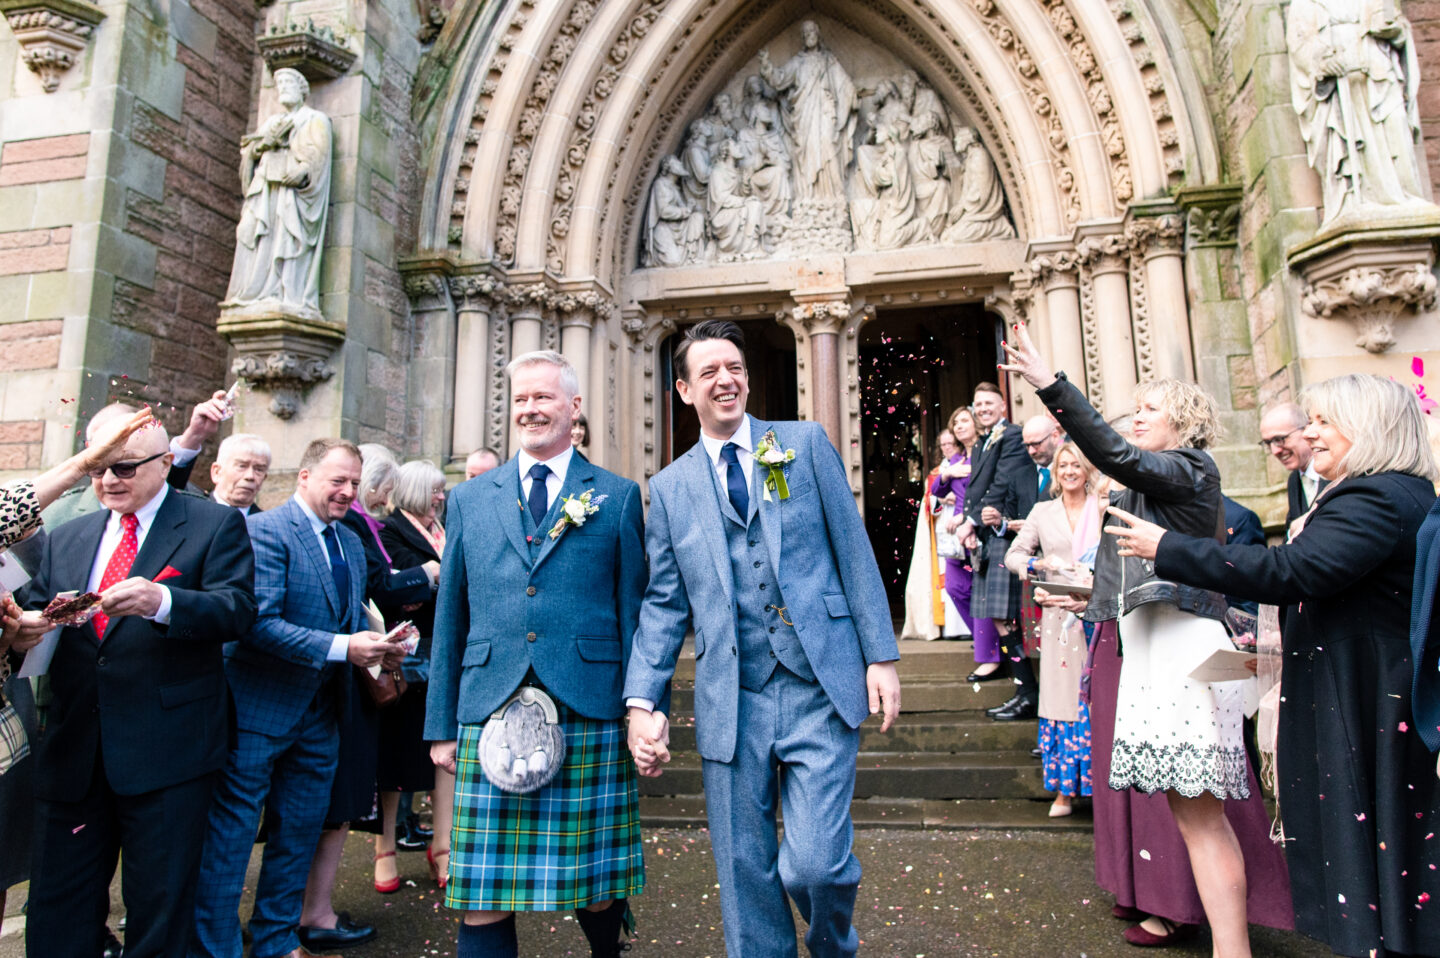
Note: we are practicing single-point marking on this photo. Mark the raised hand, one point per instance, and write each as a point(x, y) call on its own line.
point(1025, 359)
point(1140, 539)
point(108, 446)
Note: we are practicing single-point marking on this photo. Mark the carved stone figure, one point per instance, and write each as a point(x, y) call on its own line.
point(882, 211)
point(762, 151)
point(817, 108)
point(735, 218)
point(977, 202)
point(285, 176)
point(1354, 80)
point(695, 159)
point(927, 149)
point(674, 227)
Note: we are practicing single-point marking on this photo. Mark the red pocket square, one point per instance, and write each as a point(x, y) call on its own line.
point(169, 572)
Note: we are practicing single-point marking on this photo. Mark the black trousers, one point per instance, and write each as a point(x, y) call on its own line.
point(77, 845)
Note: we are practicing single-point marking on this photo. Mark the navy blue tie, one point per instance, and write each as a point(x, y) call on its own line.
point(735, 479)
point(339, 569)
point(539, 500)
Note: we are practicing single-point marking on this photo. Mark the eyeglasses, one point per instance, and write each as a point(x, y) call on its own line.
point(1275, 442)
point(1037, 444)
point(124, 470)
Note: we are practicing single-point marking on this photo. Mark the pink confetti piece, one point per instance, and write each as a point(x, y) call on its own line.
point(1417, 366)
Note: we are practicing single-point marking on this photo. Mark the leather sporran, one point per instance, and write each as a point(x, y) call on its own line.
point(387, 689)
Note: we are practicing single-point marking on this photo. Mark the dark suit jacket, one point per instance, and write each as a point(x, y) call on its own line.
point(408, 549)
point(151, 697)
point(1242, 527)
point(990, 464)
point(387, 585)
point(1425, 632)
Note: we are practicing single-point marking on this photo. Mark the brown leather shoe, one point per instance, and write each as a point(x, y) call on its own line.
point(302, 953)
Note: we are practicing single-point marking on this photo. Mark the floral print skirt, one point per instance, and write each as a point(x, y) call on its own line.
point(1065, 754)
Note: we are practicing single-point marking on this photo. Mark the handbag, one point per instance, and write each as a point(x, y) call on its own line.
point(387, 689)
point(14, 744)
point(948, 545)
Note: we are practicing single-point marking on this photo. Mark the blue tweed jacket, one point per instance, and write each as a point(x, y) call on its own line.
point(569, 612)
point(275, 669)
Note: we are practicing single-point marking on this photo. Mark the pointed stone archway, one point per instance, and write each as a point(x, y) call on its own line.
point(552, 125)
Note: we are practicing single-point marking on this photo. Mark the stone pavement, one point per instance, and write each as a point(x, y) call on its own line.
point(925, 894)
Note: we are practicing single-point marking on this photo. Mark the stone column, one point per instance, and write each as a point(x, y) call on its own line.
point(474, 307)
point(577, 321)
point(823, 321)
point(1058, 274)
point(432, 357)
point(1105, 261)
point(526, 303)
point(1159, 241)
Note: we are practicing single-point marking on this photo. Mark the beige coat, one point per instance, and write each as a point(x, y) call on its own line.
point(1062, 639)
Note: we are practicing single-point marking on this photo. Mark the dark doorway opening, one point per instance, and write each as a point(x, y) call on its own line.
point(916, 366)
point(774, 395)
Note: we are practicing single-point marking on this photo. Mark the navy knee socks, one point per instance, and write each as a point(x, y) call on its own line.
point(496, 940)
point(602, 928)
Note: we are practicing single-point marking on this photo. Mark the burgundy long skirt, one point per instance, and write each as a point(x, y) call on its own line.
point(1140, 857)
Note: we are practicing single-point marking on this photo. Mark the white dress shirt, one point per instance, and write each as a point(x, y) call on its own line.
point(745, 454)
point(144, 518)
point(339, 644)
point(1310, 484)
point(554, 482)
point(244, 510)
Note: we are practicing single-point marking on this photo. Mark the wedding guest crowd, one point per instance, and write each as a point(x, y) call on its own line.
point(241, 678)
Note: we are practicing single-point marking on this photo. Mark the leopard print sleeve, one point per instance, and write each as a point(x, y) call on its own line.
point(19, 512)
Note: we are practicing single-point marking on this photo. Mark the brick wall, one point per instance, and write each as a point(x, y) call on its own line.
point(1425, 21)
point(192, 227)
point(34, 251)
point(20, 444)
point(44, 160)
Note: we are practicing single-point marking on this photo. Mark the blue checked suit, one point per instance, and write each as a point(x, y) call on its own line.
point(794, 740)
point(287, 697)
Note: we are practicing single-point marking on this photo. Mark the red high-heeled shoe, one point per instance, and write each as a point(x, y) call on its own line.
point(437, 874)
point(391, 886)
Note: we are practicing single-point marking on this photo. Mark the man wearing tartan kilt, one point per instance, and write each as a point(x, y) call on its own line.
point(540, 591)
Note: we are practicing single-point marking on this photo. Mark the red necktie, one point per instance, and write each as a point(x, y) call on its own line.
point(118, 568)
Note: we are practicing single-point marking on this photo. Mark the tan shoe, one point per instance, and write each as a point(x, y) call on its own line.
point(302, 953)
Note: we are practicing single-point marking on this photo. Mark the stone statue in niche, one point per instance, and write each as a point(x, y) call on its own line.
point(1354, 80)
point(285, 177)
point(675, 228)
point(909, 173)
point(977, 202)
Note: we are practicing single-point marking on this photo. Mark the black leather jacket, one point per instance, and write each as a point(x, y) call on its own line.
point(1178, 489)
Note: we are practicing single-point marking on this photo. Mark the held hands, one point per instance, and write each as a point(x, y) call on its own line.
point(1025, 359)
point(649, 739)
point(1141, 539)
point(442, 755)
point(882, 680)
point(958, 525)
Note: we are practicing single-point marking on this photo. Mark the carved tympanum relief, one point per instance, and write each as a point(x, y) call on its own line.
point(814, 159)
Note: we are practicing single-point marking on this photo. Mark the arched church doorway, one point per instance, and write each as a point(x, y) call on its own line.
point(774, 395)
point(915, 367)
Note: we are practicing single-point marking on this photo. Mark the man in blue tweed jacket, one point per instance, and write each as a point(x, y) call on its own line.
point(537, 591)
point(766, 556)
point(289, 677)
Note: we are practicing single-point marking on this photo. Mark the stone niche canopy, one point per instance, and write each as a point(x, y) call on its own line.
point(823, 142)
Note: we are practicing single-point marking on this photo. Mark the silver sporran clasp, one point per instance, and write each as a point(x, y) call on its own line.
point(523, 745)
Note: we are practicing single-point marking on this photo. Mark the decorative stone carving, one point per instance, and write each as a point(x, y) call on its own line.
point(1212, 214)
point(1369, 278)
point(51, 34)
point(1060, 268)
point(1354, 81)
point(314, 51)
point(285, 177)
point(285, 376)
point(1103, 254)
point(760, 181)
point(1165, 232)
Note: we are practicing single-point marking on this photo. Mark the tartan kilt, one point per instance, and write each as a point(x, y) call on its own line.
point(996, 593)
point(573, 843)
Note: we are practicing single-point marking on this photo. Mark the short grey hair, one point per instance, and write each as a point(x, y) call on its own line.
point(569, 379)
point(1291, 411)
point(1381, 418)
point(377, 467)
point(239, 442)
point(415, 483)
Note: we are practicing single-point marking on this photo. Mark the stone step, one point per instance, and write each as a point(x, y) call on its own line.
point(978, 775)
point(688, 811)
point(942, 659)
point(917, 695)
point(968, 731)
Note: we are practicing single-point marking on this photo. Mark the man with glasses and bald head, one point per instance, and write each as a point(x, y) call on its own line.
point(138, 722)
point(1281, 435)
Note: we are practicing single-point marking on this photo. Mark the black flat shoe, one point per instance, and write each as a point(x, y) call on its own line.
point(344, 935)
point(1009, 703)
point(987, 677)
point(113, 948)
point(1024, 709)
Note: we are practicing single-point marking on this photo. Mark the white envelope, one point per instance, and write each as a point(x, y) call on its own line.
point(1224, 665)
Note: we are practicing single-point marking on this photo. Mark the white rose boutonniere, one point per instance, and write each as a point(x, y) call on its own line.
point(574, 510)
point(769, 454)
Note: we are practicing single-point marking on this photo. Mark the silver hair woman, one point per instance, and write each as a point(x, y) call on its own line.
point(377, 478)
point(1357, 784)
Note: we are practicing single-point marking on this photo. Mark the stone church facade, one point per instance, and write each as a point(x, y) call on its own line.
point(873, 188)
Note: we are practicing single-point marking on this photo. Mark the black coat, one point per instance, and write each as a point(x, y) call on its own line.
point(151, 697)
point(991, 464)
point(383, 582)
point(1358, 792)
point(408, 550)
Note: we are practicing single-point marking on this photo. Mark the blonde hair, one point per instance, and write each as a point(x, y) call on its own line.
point(415, 483)
point(1091, 473)
point(1381, 418)
point(377, 467)
point(1191, 410)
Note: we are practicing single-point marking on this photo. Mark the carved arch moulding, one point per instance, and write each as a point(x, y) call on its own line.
point(577, 104)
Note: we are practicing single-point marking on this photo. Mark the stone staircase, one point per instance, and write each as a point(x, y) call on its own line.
point(945, 764)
